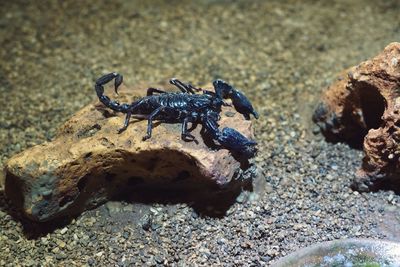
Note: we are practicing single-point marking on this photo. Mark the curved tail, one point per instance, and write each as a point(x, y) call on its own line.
point(114, 105)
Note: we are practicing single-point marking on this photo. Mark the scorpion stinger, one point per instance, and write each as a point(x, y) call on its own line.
point(99, 87)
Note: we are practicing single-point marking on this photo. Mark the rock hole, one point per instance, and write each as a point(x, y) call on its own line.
point(105, 142)
point(373, 105)
point(82, 183)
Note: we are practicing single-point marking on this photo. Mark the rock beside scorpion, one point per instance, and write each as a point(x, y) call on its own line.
point(363, 107)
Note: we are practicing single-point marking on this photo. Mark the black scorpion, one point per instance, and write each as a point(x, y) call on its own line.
point(186, 107)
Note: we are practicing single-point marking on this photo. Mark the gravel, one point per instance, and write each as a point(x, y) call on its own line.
point(281, 54)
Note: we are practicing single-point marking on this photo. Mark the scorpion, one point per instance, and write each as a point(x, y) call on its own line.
point(186, 107)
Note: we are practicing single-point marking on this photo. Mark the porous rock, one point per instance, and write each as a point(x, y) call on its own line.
point(88, 162)
point(363, 106)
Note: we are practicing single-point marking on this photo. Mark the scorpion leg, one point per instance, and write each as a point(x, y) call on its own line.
point(185, 88)
point(188, 88)
point(130, 109)
point(126, 123)
point(151, 91)
point(239, 100)
point(185, 135)
point(150, 122)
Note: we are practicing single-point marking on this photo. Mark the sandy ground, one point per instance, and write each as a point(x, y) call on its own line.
point(280, 53)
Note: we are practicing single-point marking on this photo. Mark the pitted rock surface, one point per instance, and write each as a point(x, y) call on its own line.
point(363, 106)
point(89, 162)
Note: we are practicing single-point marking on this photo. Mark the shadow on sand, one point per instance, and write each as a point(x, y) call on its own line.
point(213, 204)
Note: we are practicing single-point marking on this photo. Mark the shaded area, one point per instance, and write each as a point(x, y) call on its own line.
point(372, 104)
point(206, 200)
point(172, 177)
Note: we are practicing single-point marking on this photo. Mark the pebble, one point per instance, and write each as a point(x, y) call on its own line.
point(61, 243)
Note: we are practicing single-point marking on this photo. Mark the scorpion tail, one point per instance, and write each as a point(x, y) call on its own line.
point(99, 87)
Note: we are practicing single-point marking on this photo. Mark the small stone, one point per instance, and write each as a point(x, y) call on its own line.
point(241, 198)
point(60, 243)
point(61, 256)
point(91, 261)
point(44, 240)
point(145, 222)
point(265, 258)
point(64, 230)
point(126, 234)
point(158, 259)
point(113, 207)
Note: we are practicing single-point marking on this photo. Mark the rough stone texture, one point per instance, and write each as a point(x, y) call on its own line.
point(89, 162)
point(365, 101)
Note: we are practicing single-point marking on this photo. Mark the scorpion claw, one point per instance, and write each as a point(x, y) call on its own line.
point(242, 104)
point(239, 100)
point(236, 142)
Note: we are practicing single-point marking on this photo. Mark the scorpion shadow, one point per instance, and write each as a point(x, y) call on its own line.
point(215, 206)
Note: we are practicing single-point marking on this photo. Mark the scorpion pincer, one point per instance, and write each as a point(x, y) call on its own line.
point(186, 107)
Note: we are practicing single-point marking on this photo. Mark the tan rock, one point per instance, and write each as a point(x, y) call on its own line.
point(365, 102)
point(89, 162)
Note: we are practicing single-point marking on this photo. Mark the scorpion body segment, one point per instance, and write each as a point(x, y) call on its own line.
point(185, 107)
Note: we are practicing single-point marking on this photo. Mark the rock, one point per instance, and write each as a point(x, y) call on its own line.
point(363, 105)
point(89, 163)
